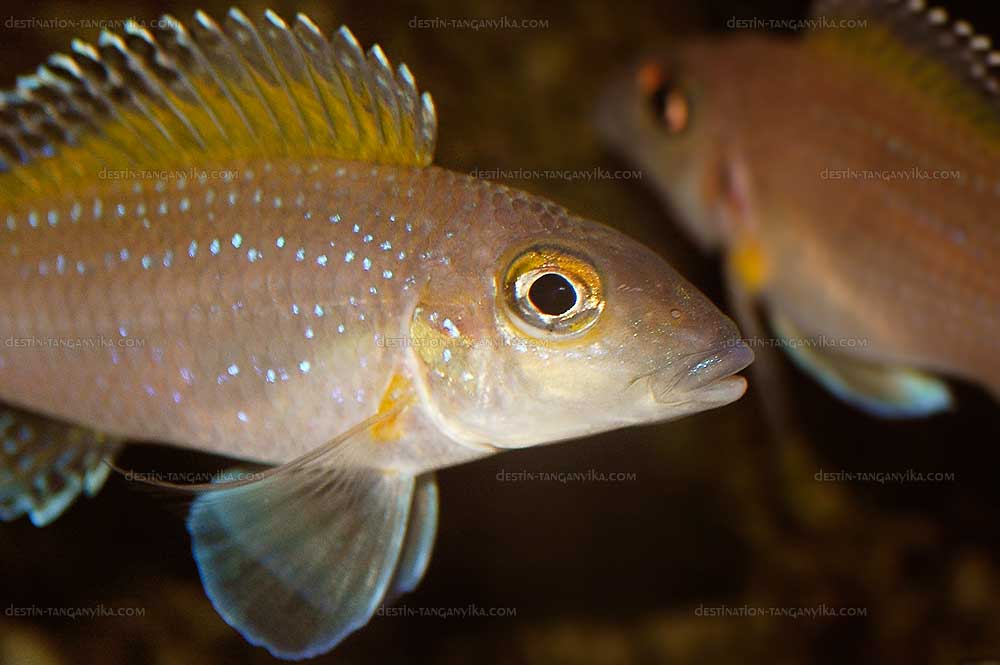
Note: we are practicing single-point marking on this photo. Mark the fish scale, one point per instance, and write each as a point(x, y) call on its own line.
point(321, 270)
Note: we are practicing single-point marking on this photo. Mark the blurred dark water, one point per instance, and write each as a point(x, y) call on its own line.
point(713, 512)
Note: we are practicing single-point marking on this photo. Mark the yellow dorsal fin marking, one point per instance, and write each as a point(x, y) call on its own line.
point(167, 97)
point(399, 390)
point(919, 47)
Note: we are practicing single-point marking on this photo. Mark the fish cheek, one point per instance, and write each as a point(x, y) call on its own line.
point(450, 353)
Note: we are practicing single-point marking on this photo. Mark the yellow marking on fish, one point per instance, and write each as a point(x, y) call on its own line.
point(750, 265)
point(397, 393)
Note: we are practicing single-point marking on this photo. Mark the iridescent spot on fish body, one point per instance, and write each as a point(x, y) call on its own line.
point(280, 242)
point(237, 240)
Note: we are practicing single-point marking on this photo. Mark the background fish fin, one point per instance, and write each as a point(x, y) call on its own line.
point(168, 97)
point(45, 465)
point(768, 385)
point(419, 542)
point(885, 391)
point(938, 56)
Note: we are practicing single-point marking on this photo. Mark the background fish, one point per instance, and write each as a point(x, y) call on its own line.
point(852, 178)
point(230, 239)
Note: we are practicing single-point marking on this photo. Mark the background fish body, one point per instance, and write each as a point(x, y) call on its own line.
point(855, 191)
point(901, 263)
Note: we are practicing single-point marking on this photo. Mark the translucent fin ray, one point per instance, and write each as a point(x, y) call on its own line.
point(168, 96)
point(45, 465)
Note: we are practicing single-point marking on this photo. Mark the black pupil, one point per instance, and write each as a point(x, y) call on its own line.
point(552, 294)
point(658, 98)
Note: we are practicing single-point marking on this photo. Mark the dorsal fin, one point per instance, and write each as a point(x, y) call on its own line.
point(173, 97)
point(946, 58)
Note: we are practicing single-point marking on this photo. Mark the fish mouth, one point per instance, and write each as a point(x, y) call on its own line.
point(709, 378)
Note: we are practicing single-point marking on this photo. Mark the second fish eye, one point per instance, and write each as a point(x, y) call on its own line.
point(668, 101)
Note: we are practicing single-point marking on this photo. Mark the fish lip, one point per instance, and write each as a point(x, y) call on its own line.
point(710, 377)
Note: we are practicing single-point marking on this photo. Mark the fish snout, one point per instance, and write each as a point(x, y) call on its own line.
point(706, 376)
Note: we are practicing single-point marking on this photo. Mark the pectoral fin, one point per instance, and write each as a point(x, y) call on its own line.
point(299, 556)
point(297, 562)
point(45, 465)
point(416, 553)
point(885, 391)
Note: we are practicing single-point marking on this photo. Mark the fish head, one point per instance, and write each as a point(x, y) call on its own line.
point(569, 331)
point(667, 115)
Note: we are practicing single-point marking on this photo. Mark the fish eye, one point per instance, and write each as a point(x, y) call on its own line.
point(668, 101)
point(552, 291)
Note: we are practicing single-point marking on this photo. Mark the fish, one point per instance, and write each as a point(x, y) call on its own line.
point(231, 238)
point(850, 179)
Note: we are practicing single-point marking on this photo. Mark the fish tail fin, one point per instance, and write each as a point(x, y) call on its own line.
point(299, 560)
point(46, 464)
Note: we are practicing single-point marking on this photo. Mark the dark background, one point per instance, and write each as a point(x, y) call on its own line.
point(597, 572)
